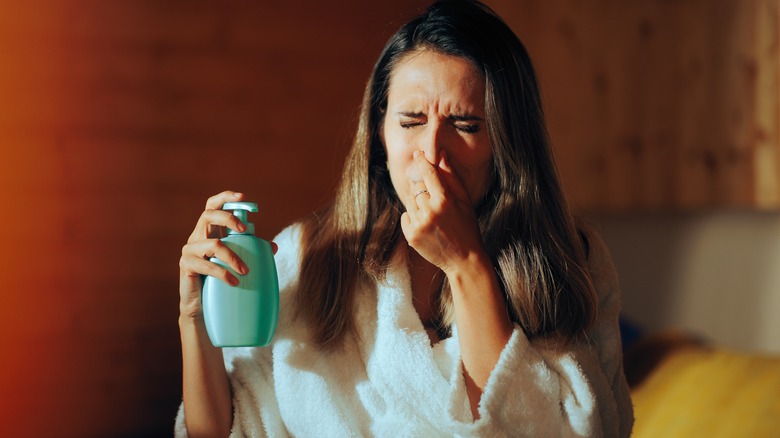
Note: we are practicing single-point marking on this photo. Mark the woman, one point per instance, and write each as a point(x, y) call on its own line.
point(446, 290)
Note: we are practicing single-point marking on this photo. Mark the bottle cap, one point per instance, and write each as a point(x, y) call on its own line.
point(241, 211)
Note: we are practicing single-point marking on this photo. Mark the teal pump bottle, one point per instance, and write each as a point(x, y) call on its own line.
point(243, 315)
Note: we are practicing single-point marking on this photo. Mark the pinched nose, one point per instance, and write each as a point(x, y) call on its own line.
point(431, 141)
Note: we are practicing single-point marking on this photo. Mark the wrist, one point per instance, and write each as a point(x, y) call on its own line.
point(191, 309)
point(476, 263)
point(191, 320)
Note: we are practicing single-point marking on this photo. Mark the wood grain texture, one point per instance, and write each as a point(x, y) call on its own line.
point(118, 120)
point(659, 105)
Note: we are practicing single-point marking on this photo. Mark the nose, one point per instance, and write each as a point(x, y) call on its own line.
point(432, 141)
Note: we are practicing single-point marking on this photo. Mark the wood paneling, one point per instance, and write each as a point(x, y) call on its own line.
point(117, 120)
point(657, 105)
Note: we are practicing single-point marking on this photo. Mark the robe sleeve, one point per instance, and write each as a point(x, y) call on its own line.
point(538, 389)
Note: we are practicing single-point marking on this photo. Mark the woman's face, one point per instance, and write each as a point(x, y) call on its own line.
point(436, 103)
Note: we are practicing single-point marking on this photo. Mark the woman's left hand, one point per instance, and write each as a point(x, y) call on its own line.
point(440, 222)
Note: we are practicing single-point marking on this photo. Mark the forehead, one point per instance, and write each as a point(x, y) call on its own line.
point(425, 76)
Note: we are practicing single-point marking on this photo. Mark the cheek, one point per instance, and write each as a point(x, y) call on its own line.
point(487, 173)
point(397, 158)
point(486, 166)
point(479, 172)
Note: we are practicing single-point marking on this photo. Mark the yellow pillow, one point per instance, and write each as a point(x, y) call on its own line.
point(704, 392)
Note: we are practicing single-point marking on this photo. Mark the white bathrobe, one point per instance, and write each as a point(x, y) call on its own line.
point(388, 381)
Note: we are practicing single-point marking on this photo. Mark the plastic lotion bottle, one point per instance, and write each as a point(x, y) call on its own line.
point(243, 315)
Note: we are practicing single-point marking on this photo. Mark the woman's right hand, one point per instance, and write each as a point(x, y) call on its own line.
point(204, 243)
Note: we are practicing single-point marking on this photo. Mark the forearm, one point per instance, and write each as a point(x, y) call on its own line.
point(208, 409)
point(484, 327)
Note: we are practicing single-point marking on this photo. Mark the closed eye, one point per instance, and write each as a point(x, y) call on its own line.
point(410, 119)
point(468, 128)
point(407, 125)
point(466, 124)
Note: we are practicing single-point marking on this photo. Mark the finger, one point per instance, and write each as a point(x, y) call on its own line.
point(451, 179)
point(215, 218)
point(217, 201)
point(413, 234)
point(408, 198)
point(430, 175)
point(199, 266)
point(213, 203)
point(209, 248)
point(274, 247)
point(418, 185)
point(224, 219)
point(418, 190)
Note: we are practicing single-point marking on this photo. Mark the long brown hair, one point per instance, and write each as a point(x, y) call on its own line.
point(525, 223)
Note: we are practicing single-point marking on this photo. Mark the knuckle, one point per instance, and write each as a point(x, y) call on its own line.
point(216, 200)
point(186, 265)
point(427, 216)
point(234, 258)
point(212, 269)
point(413, 238)
point(225, 275)
point(189, 249)
point(216, 243)
point(211, 247)
point(224, 215)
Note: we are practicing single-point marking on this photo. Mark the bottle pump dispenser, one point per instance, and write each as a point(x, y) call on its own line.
point(243, 315)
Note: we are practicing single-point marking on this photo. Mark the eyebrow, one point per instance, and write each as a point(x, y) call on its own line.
point(461, 118)
point(409, 114)
point(455, 117)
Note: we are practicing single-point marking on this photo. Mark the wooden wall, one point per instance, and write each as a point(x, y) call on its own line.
point(659, 105)
point(117, 120)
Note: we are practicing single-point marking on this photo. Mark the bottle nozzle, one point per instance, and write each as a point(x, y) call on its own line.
point(241, 210)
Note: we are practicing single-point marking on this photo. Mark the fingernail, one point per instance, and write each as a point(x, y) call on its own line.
point(241, 227)
point(237, 195)
point(243, 269)
point(234, 281)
